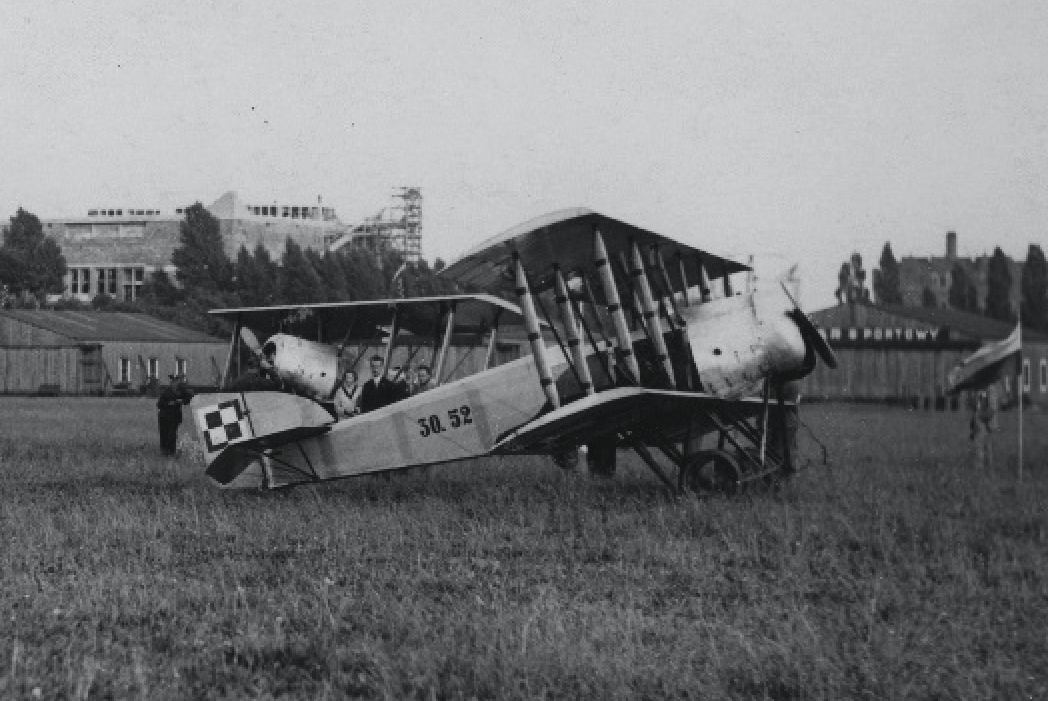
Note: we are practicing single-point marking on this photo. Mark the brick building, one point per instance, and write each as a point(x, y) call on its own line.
point(115, 250)
point(935, 274)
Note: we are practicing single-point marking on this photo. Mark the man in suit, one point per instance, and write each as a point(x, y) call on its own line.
point(378, 391)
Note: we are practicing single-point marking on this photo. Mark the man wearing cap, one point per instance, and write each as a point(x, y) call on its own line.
point(169, 412)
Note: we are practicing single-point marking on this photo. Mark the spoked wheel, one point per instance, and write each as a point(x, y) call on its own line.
point(711, 471)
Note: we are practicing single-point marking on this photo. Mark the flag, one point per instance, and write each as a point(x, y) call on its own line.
point(986, 365)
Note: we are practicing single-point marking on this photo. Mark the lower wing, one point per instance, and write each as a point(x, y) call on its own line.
point(626, 410)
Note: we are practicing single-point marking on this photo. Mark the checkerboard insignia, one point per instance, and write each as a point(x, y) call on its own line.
point(224, 423)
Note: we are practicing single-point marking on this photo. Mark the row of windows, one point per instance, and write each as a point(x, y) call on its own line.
point(326, 213)
point(120, 212)
point(106, 282)
point(152, 368)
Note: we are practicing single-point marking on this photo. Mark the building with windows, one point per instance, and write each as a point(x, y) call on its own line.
point(933, 277)
point(114, 250)
point(48, 352)
point(900, 354)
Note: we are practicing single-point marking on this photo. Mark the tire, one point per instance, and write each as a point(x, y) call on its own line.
point(711, 471)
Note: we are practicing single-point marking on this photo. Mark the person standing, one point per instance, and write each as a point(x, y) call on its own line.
point(169, 412)
point(378, 391)
point(424, 380)
point(347, 395)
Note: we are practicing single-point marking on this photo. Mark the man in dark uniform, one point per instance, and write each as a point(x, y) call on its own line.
point(169, 412)
point(379, 390)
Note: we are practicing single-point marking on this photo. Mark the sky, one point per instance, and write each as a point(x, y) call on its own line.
point(800, 131)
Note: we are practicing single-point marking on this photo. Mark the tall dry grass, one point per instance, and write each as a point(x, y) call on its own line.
point(896, 571)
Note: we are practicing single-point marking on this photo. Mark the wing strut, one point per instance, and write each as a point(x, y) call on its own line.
point(602, 355)
point(234, 349)
point(611, 294)
point(445, 343)
point(531, 323)
point(571, 330)
point(392, 338)
point(642, 289)
point(667, 286)
point(684, 278)
point(704, 280)
point(489, 358)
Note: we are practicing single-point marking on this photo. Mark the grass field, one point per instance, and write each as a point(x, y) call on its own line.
point(895, 571)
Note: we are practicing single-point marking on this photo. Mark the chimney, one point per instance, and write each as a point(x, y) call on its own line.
point(951, 245)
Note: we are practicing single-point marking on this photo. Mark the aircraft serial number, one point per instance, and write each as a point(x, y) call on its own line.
point(433, 425)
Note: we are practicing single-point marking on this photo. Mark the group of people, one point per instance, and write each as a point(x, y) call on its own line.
point(385, 386)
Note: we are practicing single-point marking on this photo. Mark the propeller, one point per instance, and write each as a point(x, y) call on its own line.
point(809, 333)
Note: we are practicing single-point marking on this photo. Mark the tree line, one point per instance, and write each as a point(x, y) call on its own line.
point(963, 293)
point(32, 266)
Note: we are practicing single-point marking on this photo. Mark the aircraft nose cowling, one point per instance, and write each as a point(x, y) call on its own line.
point(737, 342)
point(306, 366)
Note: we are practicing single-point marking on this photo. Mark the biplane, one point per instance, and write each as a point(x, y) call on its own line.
point(636, 342)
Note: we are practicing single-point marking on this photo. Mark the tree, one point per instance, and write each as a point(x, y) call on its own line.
point(963, 294)
point(1033, 286)
point(886, 278)
point(299, 282)
point(257, 277)
point(928, 299)
point(333, 277)
point(999, 287)
point(201, 258)
point(31, 262)
point(852, 281)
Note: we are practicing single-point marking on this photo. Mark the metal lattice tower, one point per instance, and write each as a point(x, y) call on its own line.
point(398, 227)
point(407, 236)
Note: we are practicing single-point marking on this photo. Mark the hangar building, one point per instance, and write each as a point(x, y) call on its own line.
point(67, 352)
point(901, 354)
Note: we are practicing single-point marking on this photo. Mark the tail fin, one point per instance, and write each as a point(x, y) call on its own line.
point(236, 428)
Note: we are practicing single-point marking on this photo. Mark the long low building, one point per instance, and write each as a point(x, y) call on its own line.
point(73, 352)
point(902, 355)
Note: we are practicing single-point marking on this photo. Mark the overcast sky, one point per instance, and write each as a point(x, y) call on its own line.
point(804, 130)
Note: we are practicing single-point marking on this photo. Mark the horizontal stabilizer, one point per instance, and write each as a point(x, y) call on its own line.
point(234, 459)
point(235, 427)
point(623, 409)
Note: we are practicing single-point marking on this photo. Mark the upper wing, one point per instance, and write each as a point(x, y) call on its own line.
point(565, 238)
point(622, 409)
point(353, 321)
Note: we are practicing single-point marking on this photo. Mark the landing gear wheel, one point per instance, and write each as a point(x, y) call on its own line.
point(708, 471)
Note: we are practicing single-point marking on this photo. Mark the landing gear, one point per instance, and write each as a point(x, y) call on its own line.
point(706, 471)
point(600, 457)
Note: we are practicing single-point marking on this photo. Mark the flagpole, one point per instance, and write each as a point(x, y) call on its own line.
point(1019, 387)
